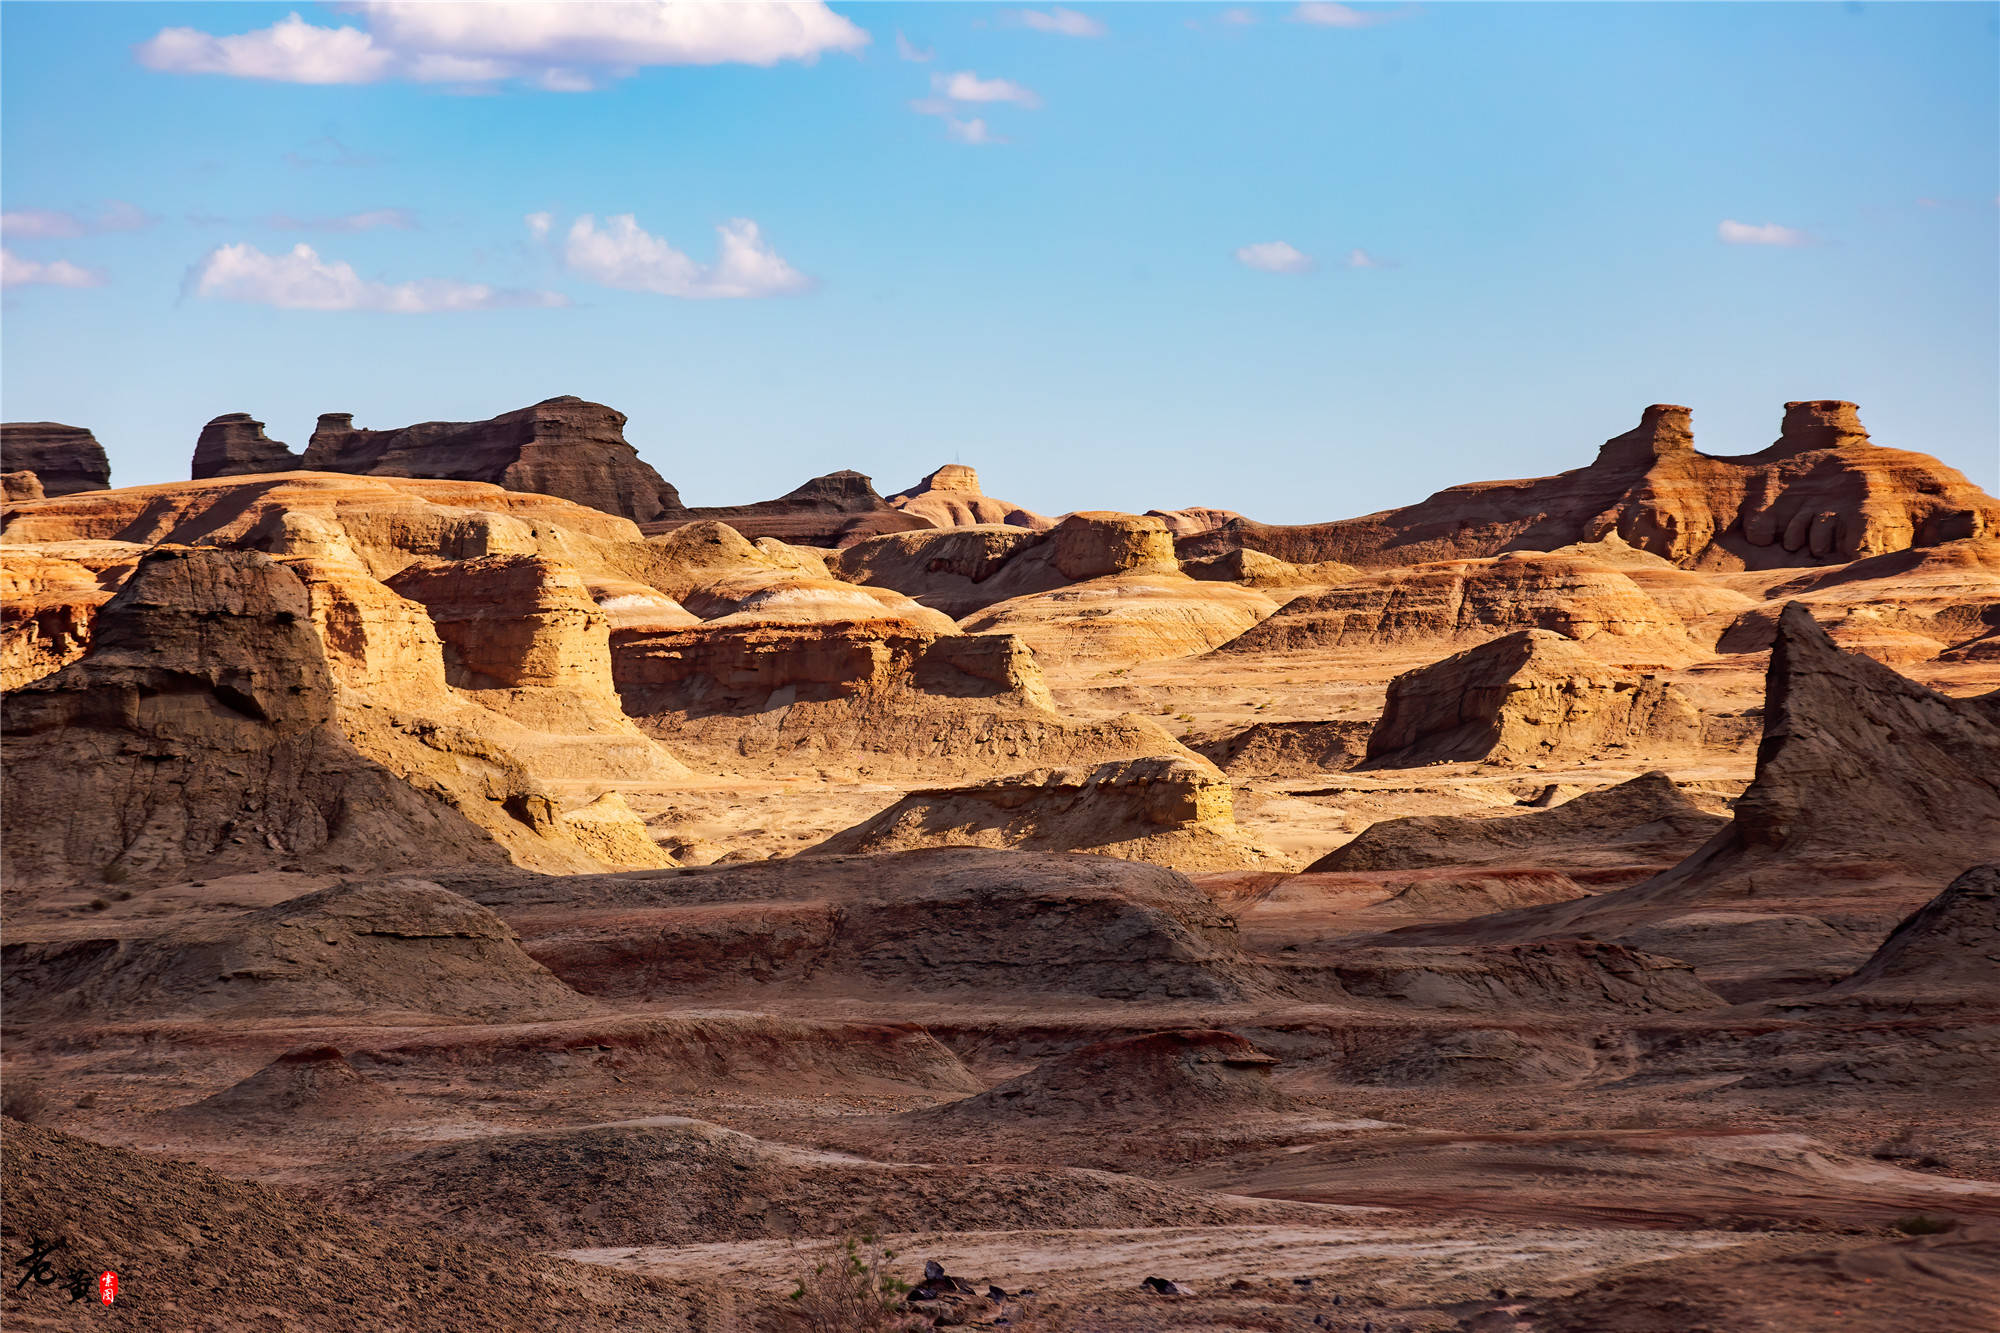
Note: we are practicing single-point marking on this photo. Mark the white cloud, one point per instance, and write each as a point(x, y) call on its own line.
point(909, 50)
point(561, 47)
point(965, 86)
point(1237, 18)
point(1066, 22)
point(374, 219)
point(289, 51)
point(18, 272)
point(539, 224)
point(1733, 232)
point(1274, 257)
point(971, 131)
point(1327, 15)
point(625, 256)
point(301, 280)
point(43, 223)
point(1362, 259)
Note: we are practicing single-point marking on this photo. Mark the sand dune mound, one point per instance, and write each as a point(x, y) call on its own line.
point(1530, 695)
point(671, 1181)
point(678, 1053)
point(1645, 820)
point(940, 920)
point(1822, 493)
point(376, 950)
point(196, 1249)
point(1166, 810)
point(314, 1084)
point(1287, 749)
point(1183, 1072)
point(1562, 974)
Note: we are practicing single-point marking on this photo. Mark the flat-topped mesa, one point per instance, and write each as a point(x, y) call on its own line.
point(64, 459)
point(565, 447)
point(235, 445)
point(950, 498)
point(1664, 428)
point(1819, 423)
point(1090, 545)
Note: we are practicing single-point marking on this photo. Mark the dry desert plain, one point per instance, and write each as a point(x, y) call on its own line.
point(452, 884)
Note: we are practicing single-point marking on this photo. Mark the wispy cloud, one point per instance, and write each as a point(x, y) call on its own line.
point(374, 219)
point(1359, 258)
point(909, 50)
point(538, 225)
point(1063, 22)
point(18, 272)
point(556, 47)
point(1274, 257)
point(301, 280)
point(1732, 232)
point(1237, 17)
point(46, 224)
point(624, 255)
point(973, 131)
point(965, 86)
point(1323, 14)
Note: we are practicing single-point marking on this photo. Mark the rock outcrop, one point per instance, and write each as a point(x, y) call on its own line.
point(561, 446)
point(950, 498)
point(20, 486)
point(64, 459)
point(198, 736)
point(1645, 820)
point(384, 951)
point(48, 598)
point(1529, 695)
point(836, 510)
point(235, 444)
point(1821, 494)
point(1167, 810)
point(1189, 1071)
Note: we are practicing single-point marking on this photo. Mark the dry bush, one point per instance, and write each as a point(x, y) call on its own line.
point(850, 1289)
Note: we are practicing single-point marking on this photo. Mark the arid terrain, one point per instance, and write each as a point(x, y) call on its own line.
point(450, 883)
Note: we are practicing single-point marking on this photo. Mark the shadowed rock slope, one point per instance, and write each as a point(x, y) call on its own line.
point(235, 445)
point(1189, 1071)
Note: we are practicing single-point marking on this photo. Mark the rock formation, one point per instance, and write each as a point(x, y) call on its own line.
point(1186, 1071)
point(1166, 810)
point(20, 486)
point(235, 444)
point(312, 1083)
point(838, 509)
point(561, 446)
point(1947, 951)
point(1287, 749)
point(1821, 494)
point(1902, 608)
point(950, 498)
point(64, 459)
point(1194, 521)
point(1529, 695)
point(48, 598)
point(197, 735)
point(1645, 820)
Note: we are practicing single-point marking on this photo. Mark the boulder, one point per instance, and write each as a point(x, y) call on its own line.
point(64, 459)
point(1532, 694)
point(235, 444)
point(20, 486)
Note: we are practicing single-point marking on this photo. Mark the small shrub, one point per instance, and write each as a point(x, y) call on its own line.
point(851, 1290)
point(24, 1102)
point(1923, 1224)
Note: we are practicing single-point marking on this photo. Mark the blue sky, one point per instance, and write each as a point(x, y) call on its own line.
point(1302, 262)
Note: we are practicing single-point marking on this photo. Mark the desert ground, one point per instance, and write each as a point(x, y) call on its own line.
point(450, 884)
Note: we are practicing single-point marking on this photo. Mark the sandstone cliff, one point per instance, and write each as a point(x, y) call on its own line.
point(235, 444)
point(1529, 695)
point(561, 446)
point(950, 498)
point(1821, 494)
point(64, 459)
